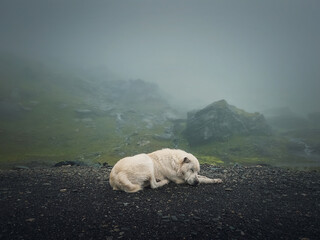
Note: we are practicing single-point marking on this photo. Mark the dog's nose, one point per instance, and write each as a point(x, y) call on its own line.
point(196, 182)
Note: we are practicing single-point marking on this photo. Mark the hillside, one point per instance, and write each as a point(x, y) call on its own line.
point(55, 115)
point(50, 114)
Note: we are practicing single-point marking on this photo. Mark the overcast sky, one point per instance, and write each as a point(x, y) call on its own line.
point(255, 54)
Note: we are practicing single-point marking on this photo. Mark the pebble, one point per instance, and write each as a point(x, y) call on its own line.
point(30, 219)
point(174, 218)
point(196, 218)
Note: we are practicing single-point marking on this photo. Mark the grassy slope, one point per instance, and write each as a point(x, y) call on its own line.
point(49, 132)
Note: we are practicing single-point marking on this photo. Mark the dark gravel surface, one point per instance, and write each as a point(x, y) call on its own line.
point(77, 203)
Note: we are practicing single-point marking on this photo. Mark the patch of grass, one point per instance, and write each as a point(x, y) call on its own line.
point(212, 160)
point(245, 149)
point(251, 160)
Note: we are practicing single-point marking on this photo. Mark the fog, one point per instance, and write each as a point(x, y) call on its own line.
point(255, 54)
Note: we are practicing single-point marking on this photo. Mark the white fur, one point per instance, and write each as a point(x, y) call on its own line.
point(156, 169)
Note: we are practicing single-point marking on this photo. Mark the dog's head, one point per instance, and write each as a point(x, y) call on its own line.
point(189, 169)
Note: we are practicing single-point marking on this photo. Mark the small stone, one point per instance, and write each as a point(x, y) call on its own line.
point(196, 218)
point(232, 228)
point(30, 220)
point(174, 218)
point(63, 190)
point(228, 189)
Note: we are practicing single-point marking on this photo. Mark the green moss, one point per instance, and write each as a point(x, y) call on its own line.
point(209, 160)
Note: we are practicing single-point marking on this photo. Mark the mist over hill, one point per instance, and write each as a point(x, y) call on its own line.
point(50, 113)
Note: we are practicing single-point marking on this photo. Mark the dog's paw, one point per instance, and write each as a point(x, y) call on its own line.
point(165, 181)
point(217, 180)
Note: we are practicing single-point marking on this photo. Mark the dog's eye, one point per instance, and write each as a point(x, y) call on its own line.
point(192, 170)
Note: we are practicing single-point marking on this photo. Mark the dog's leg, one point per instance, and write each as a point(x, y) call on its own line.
point(203, 179)
point(155, 184)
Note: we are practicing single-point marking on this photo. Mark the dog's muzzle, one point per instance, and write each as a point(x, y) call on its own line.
point(194, 183)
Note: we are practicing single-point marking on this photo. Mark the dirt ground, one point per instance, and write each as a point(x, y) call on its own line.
point(259, 202)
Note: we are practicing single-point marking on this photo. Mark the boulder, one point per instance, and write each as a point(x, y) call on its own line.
point(219, 121)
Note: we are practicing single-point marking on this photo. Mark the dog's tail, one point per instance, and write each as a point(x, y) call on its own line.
point(121, 181)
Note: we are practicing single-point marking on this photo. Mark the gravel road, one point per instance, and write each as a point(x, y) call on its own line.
point(258, 202)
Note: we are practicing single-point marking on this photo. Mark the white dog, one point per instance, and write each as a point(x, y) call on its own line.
point(156, 169)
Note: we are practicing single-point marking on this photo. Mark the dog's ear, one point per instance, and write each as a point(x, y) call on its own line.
point(186, 160)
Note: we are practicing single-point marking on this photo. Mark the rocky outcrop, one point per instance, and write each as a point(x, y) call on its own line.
point(219, 121)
